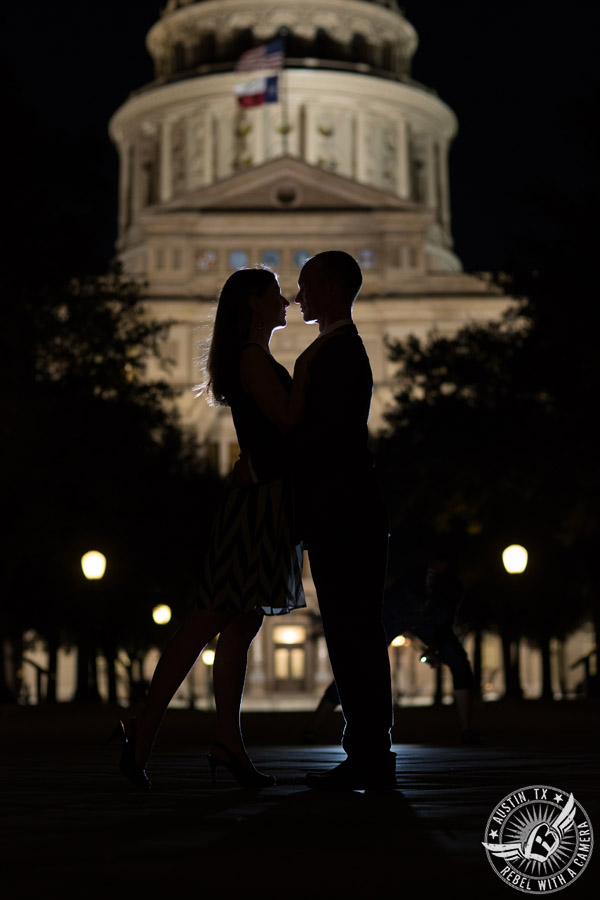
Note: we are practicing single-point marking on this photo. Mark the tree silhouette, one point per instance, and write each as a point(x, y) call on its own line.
point(93, 453)
point(476, 448)
point(95, 458)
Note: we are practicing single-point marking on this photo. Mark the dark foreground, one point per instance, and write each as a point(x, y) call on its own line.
point(72, 827)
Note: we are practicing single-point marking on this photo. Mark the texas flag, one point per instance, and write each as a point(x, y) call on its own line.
point(257, 91)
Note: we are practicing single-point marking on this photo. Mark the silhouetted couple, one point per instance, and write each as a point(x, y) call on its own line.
point(305, 477)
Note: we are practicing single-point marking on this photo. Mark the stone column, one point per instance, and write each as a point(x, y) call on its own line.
point(166, 181)
point(362, 163)
point(136, 204)
point(302, 131)
point(430, 172)
point(199, 151)
point(310, 135)
point(256, 677)
point(444, 186)
point(224, 464)
point(209, 172)
point(123, 185)
point(225, 138)
point(204, 689)
point(295, 120)
point(403, 175)
point(281, 119)
point(214, 148)
point(260, 137)
point(322, 674)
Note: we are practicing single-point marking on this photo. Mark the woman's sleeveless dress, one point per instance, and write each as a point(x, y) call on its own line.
point(253, 562)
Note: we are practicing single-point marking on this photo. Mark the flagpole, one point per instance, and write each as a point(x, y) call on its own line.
point(284, 113)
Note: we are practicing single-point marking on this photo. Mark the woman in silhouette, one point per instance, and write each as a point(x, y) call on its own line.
point(254, 561)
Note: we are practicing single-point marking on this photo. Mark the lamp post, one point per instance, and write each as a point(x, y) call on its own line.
point(93, 566)
point(208, 658)
point(514, 560)
point(398, 642)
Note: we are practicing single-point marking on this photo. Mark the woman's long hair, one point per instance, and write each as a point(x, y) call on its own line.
point(231, 329)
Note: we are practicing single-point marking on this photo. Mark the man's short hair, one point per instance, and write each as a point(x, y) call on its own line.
point(337, 265)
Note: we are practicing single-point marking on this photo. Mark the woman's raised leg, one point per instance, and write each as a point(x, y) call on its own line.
point(178, 657)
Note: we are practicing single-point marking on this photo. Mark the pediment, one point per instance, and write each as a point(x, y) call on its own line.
point(288, 184)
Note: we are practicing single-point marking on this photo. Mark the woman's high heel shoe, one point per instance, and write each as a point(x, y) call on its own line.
point(128, 766)
point(248, 778)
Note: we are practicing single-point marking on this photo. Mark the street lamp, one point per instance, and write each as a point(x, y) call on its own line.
point(398, 642)
point(161, 614)
point(514, 559)
point(208, 657)
point(93, 565)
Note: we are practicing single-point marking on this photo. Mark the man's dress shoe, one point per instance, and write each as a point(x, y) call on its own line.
point(349, 776)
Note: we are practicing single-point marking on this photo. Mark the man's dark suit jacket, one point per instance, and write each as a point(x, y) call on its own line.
point(333, 464)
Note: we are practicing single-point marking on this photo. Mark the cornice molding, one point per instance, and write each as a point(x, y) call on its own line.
point(171, 100)
point(174, 5)
point(340, 18)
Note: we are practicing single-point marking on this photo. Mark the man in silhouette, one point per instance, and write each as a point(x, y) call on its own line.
point(344, 521)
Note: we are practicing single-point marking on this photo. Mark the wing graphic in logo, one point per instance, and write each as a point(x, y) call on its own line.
point(542, 841)
point(564, 821)
point(512, 850)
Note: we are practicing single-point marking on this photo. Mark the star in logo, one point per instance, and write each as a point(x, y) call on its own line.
point(543, 840)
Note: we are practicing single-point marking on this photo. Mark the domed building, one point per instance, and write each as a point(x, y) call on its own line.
point(353, 156)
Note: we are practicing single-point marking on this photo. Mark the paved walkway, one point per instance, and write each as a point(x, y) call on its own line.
point(72, 827)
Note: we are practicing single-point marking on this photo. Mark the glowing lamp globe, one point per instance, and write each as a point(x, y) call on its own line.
point(93, 565)
point(208, 657)
point(289, 634)
point(514, 559)
point(161, 614)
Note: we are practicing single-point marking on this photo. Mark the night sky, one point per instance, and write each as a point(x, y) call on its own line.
point(522, 78)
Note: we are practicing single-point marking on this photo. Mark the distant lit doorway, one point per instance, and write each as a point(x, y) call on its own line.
point(289, 657)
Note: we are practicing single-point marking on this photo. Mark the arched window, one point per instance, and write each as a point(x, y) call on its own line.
point(298, 47)
point(205, 50)
point(360, 49)
point(179, 60)
point(388, 57)
point(324, 46)
point(242, 40)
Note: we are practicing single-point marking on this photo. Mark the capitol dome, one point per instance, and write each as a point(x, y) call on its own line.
point(346, 106)
point(209, 35)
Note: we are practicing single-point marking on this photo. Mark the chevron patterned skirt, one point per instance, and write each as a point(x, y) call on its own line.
point(252, 561)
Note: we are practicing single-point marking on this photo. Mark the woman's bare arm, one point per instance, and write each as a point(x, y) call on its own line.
point(283, 410)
